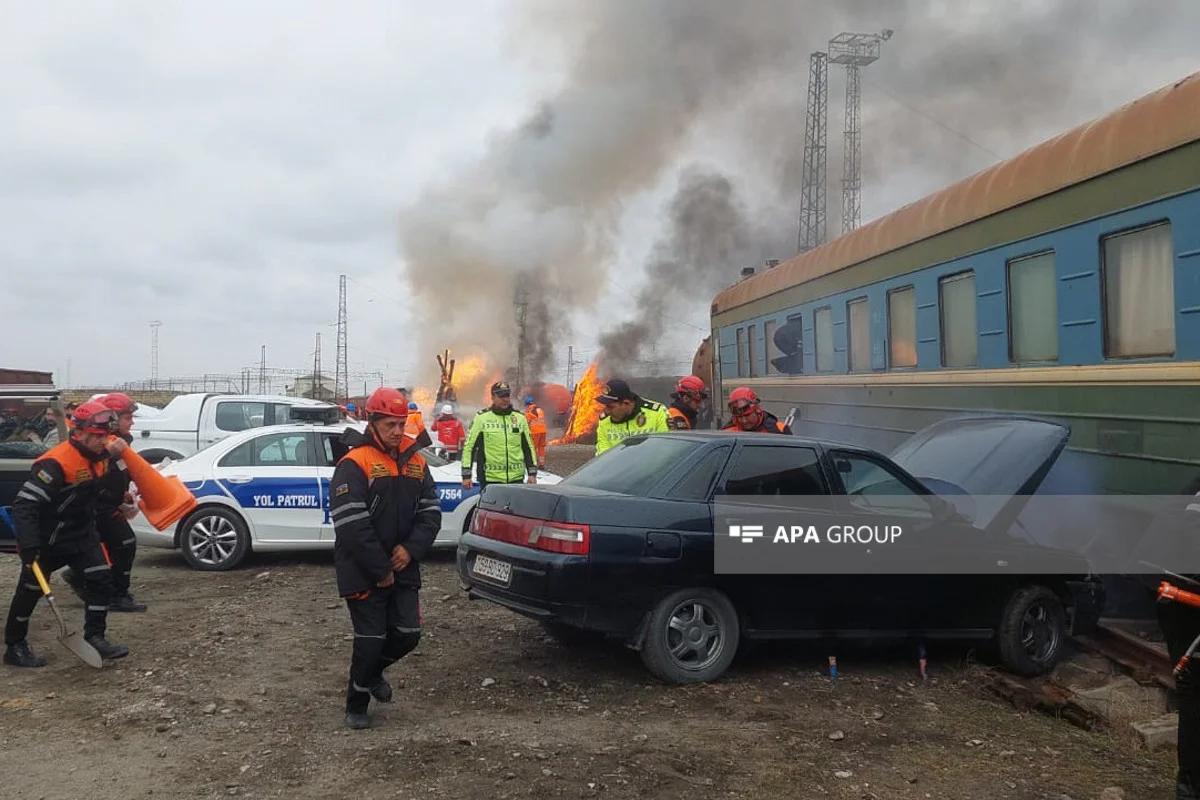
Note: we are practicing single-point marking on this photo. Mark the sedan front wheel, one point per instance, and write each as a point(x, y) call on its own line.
point(691, 636)
point(214, 539)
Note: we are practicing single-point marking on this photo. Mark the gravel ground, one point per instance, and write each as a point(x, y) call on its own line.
point(234, 688)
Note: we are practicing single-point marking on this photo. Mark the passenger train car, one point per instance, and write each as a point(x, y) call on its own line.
point(1064, 282)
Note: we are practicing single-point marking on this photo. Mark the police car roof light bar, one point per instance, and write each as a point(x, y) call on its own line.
point(326, 415)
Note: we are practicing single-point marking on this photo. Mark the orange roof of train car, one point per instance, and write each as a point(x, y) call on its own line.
point(1153, 124)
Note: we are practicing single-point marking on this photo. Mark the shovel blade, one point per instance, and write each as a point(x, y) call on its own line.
point(79, 646)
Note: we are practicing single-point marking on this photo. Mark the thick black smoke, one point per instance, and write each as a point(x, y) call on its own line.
point(646, 84)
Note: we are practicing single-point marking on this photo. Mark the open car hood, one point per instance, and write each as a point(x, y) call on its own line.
point(986, 466)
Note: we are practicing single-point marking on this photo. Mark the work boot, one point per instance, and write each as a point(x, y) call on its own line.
point(107, 651)
point(22, 655)
point(382, 691)
point(126, 603)
point(76, 584)
point(357, 720)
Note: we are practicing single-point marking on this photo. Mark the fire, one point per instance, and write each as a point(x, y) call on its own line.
point(423, 397)
point(487, 391)
point(585, 411)
point(468, 370)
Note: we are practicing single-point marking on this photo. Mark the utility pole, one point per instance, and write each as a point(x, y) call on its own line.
point(154, 326)
point(262, 372)
point(571, 362)
point(341, 379)
point(316, 380)
point(855, 51)
point(521, 307)
point(812, 187)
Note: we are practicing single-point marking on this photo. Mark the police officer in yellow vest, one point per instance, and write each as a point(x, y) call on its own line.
point(626, 414)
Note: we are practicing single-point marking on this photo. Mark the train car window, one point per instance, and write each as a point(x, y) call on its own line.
point(741, 355)
point(823, 331)
point(1032, 309)
point(902, 327)
point(773, 351)
point(1139, 292)
point(753, 361)
point(858, 329)
point(960, 333)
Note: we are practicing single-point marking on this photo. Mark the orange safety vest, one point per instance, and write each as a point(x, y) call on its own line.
point(377, 464)
point(536, 420)
point(676, 414)
point(76, 468)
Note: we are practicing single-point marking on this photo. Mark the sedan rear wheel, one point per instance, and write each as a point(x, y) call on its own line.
point(691, 636)
point(214, 539)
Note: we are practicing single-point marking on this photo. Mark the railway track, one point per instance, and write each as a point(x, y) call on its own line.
point(1118, 641)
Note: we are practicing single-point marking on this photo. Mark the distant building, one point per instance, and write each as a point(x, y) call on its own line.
point(314, 387)
point(14, 377)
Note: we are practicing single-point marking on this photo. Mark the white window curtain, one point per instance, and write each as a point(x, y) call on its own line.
point(823, 322)
point(860, 334)
point(960, 334)
point(902, 328)
point(1139, 293)
point(1033, 309)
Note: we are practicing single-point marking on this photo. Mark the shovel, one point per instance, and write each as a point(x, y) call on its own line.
point(73, 641)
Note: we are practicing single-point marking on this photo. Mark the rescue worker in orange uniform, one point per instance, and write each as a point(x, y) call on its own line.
point(386, 514)
point(537, 429)
point(689, 395)
point(114, 510)
point(749, 415)
point(414, 416)
point(54, 514)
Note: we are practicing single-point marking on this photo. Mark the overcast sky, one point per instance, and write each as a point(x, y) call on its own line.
point(215, 166)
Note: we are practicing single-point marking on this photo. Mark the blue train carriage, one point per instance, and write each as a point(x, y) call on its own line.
point(1064, 282)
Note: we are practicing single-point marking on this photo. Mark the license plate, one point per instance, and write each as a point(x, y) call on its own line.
point(498, 571)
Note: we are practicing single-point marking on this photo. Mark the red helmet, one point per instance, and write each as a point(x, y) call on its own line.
point(94, 417)
point(692, 386)
point(742, 400)
point(389, 402)
point(118, 402)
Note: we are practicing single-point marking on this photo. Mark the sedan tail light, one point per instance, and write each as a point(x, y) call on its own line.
point(552, 537)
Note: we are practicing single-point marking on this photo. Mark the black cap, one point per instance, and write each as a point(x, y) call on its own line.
point(615, 391)
point(500, 388)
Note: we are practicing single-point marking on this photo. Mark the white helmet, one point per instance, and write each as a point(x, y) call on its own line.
point(446, 409)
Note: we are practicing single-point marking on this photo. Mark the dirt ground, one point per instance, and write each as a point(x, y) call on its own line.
point(235, 681)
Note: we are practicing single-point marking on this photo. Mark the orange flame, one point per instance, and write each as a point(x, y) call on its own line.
point(423, 397)
point(487, 390)
point(585, 411)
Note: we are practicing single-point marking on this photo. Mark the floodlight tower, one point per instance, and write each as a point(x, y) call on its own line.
point(812, 188)
point(855, 51)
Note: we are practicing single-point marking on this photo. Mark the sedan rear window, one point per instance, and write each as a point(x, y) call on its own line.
point(634, 466)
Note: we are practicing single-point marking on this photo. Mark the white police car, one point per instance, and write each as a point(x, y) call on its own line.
point(267, 489)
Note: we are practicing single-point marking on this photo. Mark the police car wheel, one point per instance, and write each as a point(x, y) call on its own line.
point(1033, 631)
point(691, 636)
point(214, 539)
